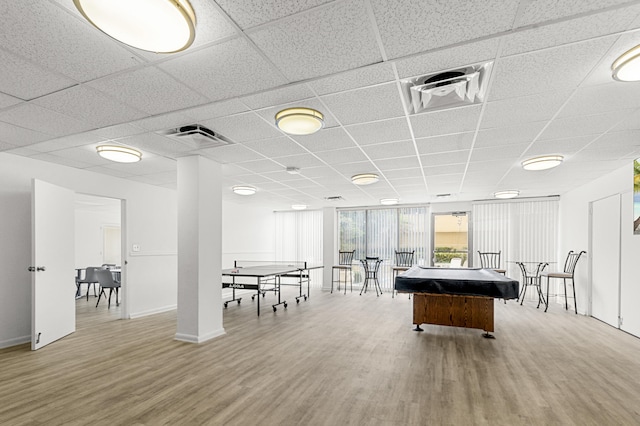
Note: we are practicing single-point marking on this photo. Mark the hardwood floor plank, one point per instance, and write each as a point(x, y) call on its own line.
point(334, 359)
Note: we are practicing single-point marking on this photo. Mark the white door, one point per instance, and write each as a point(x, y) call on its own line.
point(53, 276)
point(605, 259)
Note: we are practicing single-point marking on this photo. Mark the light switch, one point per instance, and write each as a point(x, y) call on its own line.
point(135, 247)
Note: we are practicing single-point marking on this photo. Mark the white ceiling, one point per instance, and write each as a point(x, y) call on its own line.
point(66, 88)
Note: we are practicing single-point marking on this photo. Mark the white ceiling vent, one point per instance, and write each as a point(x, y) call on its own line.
point(196, 136)
point(447, 89)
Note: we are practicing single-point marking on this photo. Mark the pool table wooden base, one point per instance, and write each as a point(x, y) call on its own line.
point(453, 310)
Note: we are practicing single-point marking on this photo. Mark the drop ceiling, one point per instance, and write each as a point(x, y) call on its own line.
point(66, 88)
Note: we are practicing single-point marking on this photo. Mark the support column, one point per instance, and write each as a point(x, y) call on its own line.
point(329, 245)
point(199, 250)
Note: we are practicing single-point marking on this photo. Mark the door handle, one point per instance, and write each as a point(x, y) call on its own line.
point(36, 268)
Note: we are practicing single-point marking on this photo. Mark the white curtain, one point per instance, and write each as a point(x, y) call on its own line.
point(524, 231)
point(299, 238)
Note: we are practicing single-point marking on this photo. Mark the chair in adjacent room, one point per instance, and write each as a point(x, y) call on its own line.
point(371, 267)
point(90, 278)
point(345, 260)
point(106, 282)
point(404, 261)
point(567, 274)
point(491, 260)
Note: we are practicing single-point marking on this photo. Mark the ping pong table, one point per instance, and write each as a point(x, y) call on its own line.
point(265, 276)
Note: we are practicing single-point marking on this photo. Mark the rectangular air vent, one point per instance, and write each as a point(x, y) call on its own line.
point(196, 136)
point(447, 89)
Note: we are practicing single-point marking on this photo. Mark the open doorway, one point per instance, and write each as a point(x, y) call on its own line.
point(451, 240)
point(98, 244)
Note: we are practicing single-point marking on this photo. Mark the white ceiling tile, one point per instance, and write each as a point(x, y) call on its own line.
point(600, 99)
point(150, 164)
point(567, 127)
point(149, 90)
point(350, 169)
point(89, 105)
point(408, 27)
point(215, 110)
point(455, 57)
point(628, 138)
point(80, 51)
point(354, 79)
point(278, 96)
point(554, 69)
point(491, 168)
point(243, 127)
point(445, 121)
point(20, 136)
point(163, 122)
point(7, 100)
point(341, 156)
point(403, 183)
point(314, 172)
point(442, 179)
point(276, 147)
point(211, 24)
point(34, 117)
point(111, 172)
point(301, 161)
point(443, 170)
point(162, 178)
point(231, 154)
point(610, 153)
point(454, 142)
point(24, 152)
point(324, 41)
point(398, 163)
point(260, 166)
point(569, 31)
point(415, 172)
point(117, 131)
point(631, 122)
point(602, 74)
point(326, 140)
point(526, 132)
point(545, 10)
point(368, 104)
point(25, 80)
point(443, 158)
point(248, 14)
point(64, 161)
point(559, 146)
point(224, 70)
point(156, 144)
point(396, 129)
point(4, 146)
point(390, 150)
point(67, 142)
point(503, 152)
point(524, 109)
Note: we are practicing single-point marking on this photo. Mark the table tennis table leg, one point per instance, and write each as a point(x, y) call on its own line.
point(278, 290)
point(300, 281)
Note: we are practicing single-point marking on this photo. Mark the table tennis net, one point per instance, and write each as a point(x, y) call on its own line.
point(269, 264)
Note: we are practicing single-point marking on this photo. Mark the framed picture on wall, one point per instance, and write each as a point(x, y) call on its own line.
point(636, 196)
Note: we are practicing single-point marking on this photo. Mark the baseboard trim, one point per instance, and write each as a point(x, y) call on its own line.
point(190, 338)
point(14, 342)
point(153, 311)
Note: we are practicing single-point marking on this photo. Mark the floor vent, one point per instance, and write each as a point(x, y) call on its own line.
point(463, 86)
point(196, 136)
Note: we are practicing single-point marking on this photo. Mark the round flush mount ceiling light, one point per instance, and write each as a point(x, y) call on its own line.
point(627, 66)
point(299, 121)
point(161, 26)
point(298, 206)
point(244, 190)
point(364, 178)
point(542, 163)
point(512, 193)
point(119, 154)
point(389, 201)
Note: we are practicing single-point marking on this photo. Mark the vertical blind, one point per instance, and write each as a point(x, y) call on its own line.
point(382, 232)
point(525, 231)
point(299, 238)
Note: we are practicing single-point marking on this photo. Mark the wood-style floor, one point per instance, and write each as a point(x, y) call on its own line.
point(333, 360)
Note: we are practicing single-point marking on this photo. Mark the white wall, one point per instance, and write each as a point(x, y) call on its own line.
point(574, 235)
point(151, 218)
point(248, 233)
point(89, 238)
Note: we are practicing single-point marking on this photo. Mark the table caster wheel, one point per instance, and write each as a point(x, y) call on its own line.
point(238, 302)
point(253, 297)
point(225, 304)
point(305, 298)
point(275, 309)
point(297, 301)
point(285, 305)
